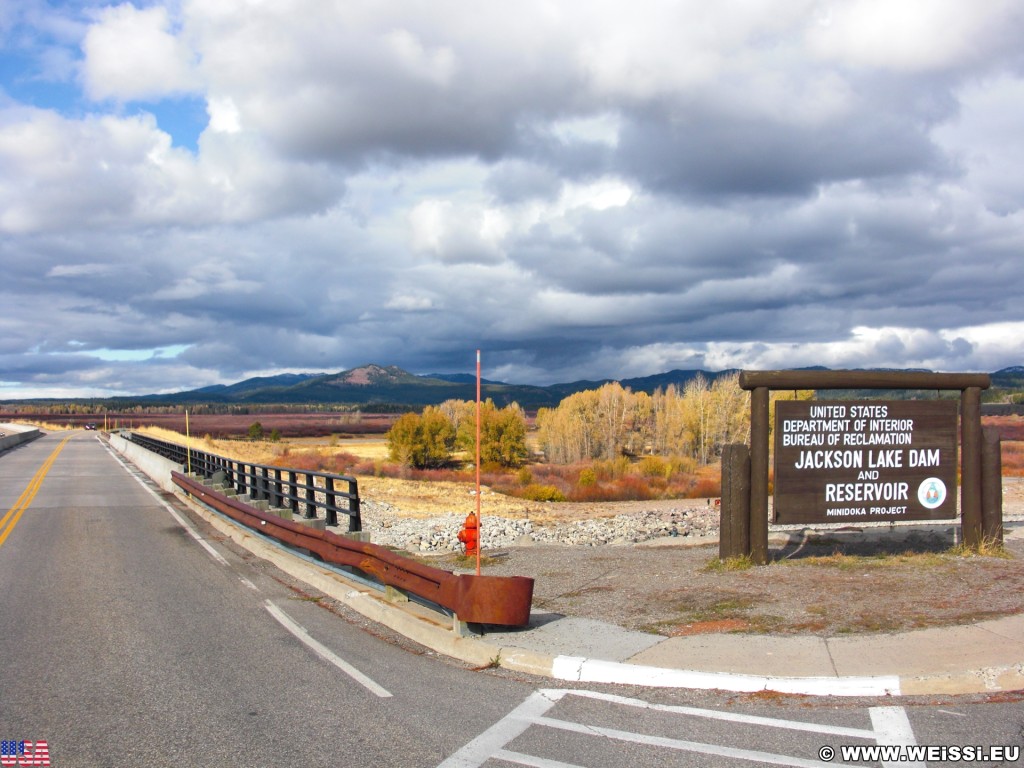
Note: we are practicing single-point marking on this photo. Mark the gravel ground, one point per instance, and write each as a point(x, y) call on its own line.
point(410, 528)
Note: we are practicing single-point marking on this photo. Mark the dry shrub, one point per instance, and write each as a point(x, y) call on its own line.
point(654, 466)
point(633, 488)
point(593, 493)
point(300, 461)
point(1010, 428)
point(705, 487)
point(1013, 459)
point(612, 469)
point(367, 467)
point(535, 492)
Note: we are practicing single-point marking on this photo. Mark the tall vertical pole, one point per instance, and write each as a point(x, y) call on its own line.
point(188, 445)
point(479, 526)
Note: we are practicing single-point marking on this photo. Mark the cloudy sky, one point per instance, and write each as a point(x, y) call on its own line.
point(196, 192)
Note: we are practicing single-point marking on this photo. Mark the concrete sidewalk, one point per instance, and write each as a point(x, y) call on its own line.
point(982, 657)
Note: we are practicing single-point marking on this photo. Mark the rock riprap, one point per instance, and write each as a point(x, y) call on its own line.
point(389, 528)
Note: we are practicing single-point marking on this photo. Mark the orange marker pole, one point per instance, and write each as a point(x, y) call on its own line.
point(478, 521)
point(188, 444)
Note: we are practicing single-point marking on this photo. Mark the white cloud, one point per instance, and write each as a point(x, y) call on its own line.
point(435, 66)
point(79, 270)
point(407, 303)
point(224, 116)
point(458, 233)
point(133, 53)
point(983, 348)
point(602, 128)
point(120, 172)
point(910, 35)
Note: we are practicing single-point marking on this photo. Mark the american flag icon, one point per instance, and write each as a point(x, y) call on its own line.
point(24, 753)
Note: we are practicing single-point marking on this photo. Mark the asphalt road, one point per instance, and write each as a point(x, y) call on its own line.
point(131, 635)
point(124, 643)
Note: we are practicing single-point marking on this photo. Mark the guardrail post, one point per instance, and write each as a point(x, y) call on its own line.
point(331, 508)
point(293, 493)
point(262, 484)
point(355, 517)
point(310, 512)
point(275, 495)
point(240, 478)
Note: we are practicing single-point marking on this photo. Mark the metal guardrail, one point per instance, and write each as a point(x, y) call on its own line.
point(498, 600)
point(302, 491)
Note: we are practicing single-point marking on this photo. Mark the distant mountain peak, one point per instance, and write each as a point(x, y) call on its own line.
point(371, 374)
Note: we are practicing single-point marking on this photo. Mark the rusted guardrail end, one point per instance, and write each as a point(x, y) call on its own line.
point(497, 600)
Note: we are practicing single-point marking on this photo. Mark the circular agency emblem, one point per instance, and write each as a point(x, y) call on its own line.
point(931, 493)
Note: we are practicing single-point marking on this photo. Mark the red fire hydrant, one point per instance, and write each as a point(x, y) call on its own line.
point(470, 534)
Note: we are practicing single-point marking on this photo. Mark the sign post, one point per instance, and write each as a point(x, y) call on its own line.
point(479, 526)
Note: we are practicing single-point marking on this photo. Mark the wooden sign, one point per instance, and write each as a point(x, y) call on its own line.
point(865, 461)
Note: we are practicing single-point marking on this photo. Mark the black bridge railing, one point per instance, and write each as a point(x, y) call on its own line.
point(302, 491)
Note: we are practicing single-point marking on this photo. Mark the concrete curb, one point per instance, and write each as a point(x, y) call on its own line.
point(21, 434)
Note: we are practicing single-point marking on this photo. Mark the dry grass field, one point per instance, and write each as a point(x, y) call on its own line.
point(411, 498)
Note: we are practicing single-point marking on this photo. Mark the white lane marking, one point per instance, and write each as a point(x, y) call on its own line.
point(323, 651)
point(514, 724)
point(732, 717)
point(174, 513)
point(767, 758)
point(892, 727)
point(533, 762)
point(249, 584)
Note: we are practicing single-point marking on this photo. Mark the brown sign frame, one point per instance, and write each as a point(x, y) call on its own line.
point(752, 539)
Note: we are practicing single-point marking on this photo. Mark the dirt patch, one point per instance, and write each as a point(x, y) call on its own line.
point(673, 590)
point(711, 627)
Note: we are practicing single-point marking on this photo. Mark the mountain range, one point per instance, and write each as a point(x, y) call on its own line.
point(376, 384)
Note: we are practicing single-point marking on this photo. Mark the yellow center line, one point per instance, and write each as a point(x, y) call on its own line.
point(14, 513)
